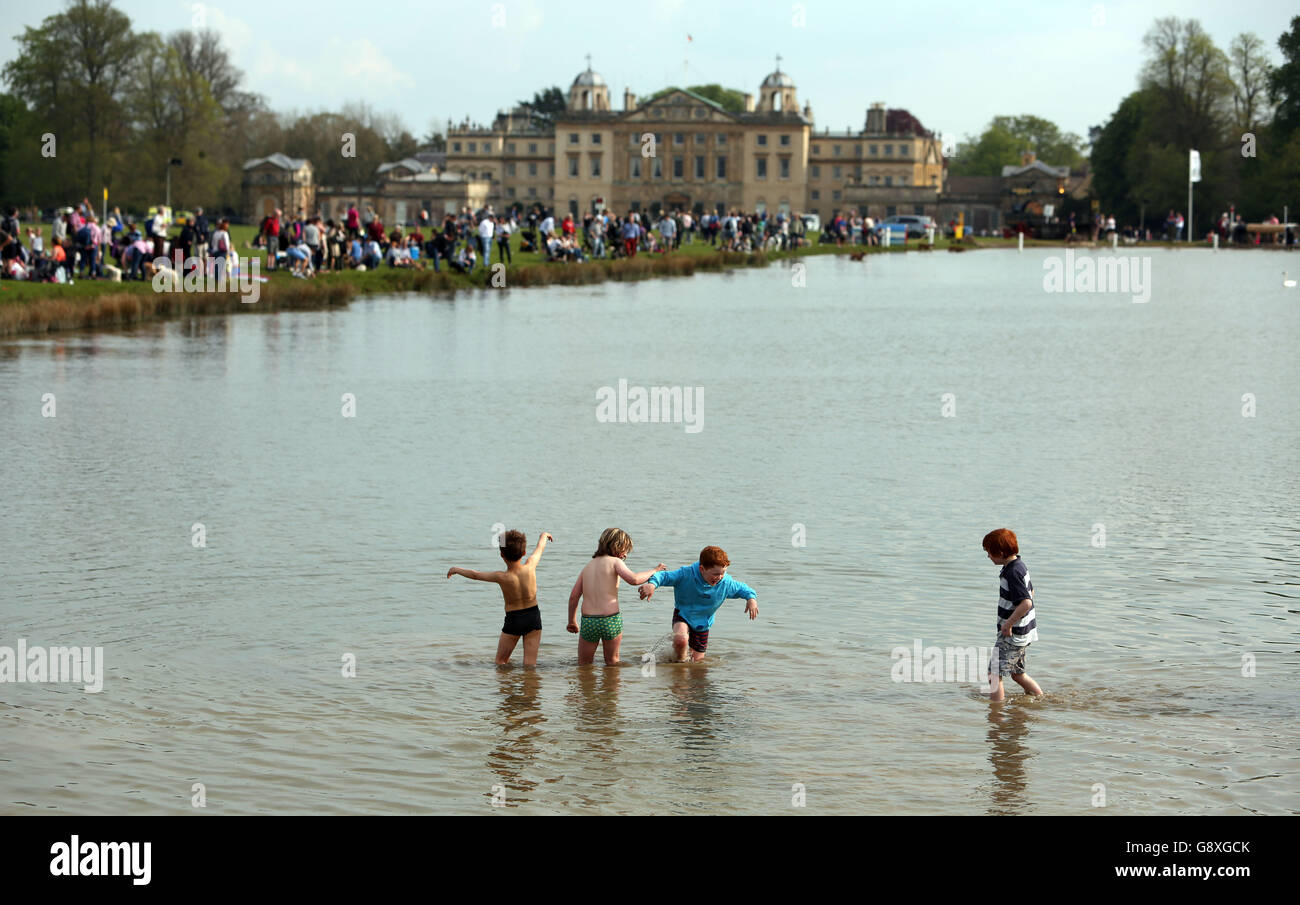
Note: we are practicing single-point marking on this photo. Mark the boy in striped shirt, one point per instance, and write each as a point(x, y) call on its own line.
point(1017, 624)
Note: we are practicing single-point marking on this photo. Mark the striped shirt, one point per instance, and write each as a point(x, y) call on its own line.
point(1014, 586)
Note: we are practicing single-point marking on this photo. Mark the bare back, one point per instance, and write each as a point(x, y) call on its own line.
point(519, 585)
point(600, 585)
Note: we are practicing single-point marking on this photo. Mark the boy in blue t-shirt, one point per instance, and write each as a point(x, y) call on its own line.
point(699, 590)
point(1017, 621)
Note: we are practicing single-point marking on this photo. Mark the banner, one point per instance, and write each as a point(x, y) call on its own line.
point(1194, 166)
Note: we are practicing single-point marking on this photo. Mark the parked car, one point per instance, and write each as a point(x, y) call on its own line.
point(913, 225)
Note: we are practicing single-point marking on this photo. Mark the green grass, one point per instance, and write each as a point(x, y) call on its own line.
point(44, 307)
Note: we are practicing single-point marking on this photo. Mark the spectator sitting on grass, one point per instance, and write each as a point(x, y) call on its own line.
point(398, 254)
point(464, 260)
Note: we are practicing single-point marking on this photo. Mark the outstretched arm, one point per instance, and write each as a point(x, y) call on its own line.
point(541, 545)
point(635, 578)
point(477, 576)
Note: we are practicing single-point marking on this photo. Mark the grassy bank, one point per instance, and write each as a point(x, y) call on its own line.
point(33, 308)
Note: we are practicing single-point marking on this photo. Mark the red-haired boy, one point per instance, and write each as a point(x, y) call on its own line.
point(1017, 622)
point(698, 591)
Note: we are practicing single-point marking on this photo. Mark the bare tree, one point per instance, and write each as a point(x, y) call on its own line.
point(1189, 76)
point(1250, 71)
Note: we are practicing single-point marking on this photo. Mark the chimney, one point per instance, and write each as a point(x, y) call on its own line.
point(629, 99)
point(807, 111)
point(749, 103)
point(876, 119)
point(1027, 157)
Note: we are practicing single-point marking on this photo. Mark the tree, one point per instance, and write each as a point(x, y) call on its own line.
point(72, 70)
point(1189, 76)
point(729, 99)
point(1284, 82)
point(1007, 137)
point(1249, 69)
point(545, 106)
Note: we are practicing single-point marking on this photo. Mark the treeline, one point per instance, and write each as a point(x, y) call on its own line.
point(91, 103)
point(1236, 108)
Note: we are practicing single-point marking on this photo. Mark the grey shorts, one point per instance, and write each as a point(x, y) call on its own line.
point(1011, 657)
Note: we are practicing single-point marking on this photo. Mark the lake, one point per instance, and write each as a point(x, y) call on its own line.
point(201, 507)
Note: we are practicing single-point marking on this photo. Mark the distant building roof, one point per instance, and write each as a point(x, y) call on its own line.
point(282, 161)
point(1058, 172)
point(415, 166)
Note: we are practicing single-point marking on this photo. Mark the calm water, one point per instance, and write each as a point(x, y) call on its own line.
point(329, 536)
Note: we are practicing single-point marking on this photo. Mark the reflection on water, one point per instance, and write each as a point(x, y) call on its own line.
point(1009, 757)
point(521, 722)
point(327, 533)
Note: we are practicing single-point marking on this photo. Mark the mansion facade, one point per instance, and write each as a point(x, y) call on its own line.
point(681, 151)
point(675, 151)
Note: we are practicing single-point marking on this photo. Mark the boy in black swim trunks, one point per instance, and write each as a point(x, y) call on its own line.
point(519, 588)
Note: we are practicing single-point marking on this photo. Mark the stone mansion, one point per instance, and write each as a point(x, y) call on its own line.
point(676, 151)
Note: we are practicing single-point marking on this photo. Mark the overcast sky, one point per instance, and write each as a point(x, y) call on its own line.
point(954, 65)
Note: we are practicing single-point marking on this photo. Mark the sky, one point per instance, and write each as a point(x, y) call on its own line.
point(954, 65)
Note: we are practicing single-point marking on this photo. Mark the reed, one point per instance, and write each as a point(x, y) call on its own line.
point(88, 306)
point(125, 309)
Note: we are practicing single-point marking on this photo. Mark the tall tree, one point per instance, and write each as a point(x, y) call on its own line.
point(1284, 82)
point(1007, 137)
point(73, 70)
point(1189, 76)
point(1249, 68)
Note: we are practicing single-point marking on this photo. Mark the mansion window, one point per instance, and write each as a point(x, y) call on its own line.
point(816, 171)
point(595, 166)
point(785, 168)
point(573, 167)
point(760, 167)
point(761, 140)
point(721, 168)
point(699, 166)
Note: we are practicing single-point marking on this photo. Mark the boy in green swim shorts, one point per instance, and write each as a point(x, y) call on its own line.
point(597, 588)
